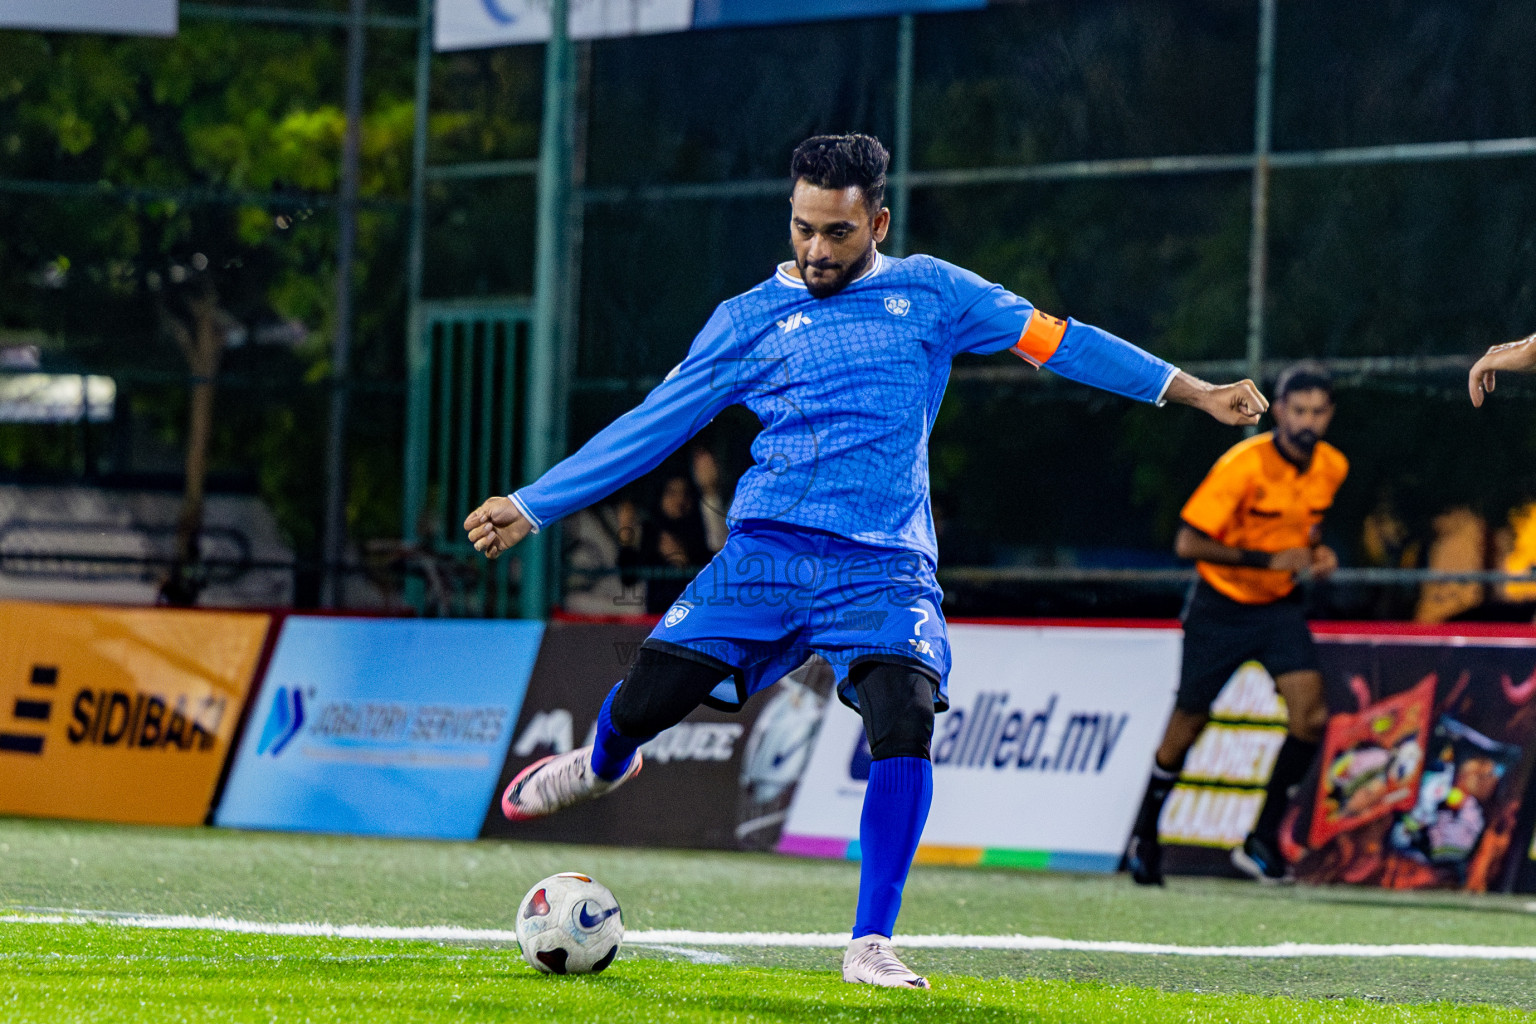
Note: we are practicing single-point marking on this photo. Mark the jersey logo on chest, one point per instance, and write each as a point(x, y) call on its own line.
point(897, 306)
point(794, 320)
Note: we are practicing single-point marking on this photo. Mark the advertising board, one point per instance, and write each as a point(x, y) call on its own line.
point(390, 727)
point(1221, 790)
point(1040, 761)
point(1426, 763)
point(717, 780)
point(1421, 777)
point(120, 714)
point(128, 17)
point(466, 24)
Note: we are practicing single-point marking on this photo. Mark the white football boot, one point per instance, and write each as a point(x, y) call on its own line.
point(558, 781)
point(870, 960)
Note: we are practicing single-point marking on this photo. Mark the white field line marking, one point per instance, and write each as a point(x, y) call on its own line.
point(273, 959)
point(697, 956)
point(821, 940)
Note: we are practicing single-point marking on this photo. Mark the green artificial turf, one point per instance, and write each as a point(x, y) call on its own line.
point(108, 973)
point(113, 972)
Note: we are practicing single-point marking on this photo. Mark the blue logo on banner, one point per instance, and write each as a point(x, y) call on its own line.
point(405, 725)
point(499, 16)
point(283, 722)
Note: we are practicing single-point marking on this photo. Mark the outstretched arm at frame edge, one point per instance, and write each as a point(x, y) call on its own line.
point(1514, 356)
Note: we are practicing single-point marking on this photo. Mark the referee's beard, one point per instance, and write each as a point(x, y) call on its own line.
point(830, 286)
point(1303, 441)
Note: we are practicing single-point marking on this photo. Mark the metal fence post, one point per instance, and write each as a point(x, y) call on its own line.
point(1258, 243)
point(555, 160)
point(901, 191)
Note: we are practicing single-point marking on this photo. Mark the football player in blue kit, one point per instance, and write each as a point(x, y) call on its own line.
point(843, 354)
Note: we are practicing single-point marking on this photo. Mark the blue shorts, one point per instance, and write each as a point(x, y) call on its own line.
point(776, 594)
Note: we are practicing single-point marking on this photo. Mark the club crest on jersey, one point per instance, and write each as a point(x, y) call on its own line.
point(795, 319)
point(677, 613)
point(896, 305)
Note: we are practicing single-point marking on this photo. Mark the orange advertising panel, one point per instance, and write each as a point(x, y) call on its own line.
point(120, 714)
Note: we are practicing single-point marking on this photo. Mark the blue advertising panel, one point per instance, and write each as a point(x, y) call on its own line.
point(384, 727)
point(469, 24)
point(718, 13)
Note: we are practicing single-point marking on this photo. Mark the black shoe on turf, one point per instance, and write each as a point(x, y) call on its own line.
point(1144, 858)
point(1257, 859)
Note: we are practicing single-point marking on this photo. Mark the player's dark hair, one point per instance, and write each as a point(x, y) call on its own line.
point(1303, 376)
point(840, 161)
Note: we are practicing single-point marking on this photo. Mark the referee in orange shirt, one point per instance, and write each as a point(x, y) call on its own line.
point(1253, 528)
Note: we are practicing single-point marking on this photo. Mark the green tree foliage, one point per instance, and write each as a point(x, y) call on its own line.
point(176, 131)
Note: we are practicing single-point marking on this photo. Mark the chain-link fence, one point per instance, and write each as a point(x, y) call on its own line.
point(1231, 183)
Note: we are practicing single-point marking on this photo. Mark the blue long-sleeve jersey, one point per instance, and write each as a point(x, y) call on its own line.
point(846, 387)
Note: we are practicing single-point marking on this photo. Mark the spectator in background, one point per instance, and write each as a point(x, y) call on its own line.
point(1384, 537)
point(1515, 552)
point(590, 550)
point(712, 502)
point(1460, 545)
point(675, 536)
point(1387, 543)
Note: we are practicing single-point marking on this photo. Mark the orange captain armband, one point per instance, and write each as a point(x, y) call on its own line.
point(1041, 337)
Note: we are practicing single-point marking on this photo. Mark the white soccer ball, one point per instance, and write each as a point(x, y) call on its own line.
point(569, 924)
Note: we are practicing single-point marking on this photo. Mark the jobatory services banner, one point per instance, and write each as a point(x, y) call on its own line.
point(1040, 761)
point(386, 727)
point(715, 781)
point(120, 714)
point(127, 17)
point(466, 24)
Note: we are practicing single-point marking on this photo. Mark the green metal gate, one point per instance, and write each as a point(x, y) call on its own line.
point(464, 441)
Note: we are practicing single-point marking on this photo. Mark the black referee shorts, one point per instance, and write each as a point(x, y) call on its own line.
point(1220, 634)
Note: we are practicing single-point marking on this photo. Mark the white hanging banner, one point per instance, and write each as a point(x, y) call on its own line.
point(127, 17)
point(468, 24)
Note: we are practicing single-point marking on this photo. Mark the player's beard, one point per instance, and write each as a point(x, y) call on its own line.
point(827, 289)
point(1304, 441)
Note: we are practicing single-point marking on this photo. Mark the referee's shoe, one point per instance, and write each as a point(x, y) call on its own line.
point(1144, 860)
point(1257, 858)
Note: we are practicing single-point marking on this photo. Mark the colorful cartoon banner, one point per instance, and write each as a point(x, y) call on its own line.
point(1372, 762)
point(1422, 780)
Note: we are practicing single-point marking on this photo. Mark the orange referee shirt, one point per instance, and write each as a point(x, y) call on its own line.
point(1255, 498)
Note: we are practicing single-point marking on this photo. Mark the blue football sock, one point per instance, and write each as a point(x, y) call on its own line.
point(895, 809)
point(611, 752)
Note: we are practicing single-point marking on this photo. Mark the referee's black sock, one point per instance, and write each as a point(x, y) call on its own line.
point(1291, 765)
point(1159, 785)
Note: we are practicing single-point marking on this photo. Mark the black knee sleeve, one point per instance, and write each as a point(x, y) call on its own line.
point(658, 691)
point(896, 703)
